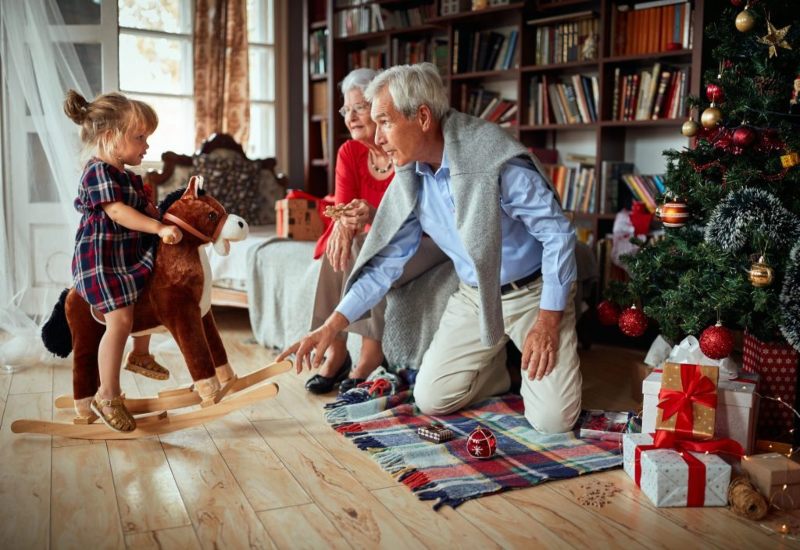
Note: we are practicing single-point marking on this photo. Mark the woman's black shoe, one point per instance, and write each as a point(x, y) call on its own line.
point(323, 384)
point(349, 384)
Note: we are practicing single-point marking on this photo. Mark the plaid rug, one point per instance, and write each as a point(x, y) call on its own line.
point(387, 428)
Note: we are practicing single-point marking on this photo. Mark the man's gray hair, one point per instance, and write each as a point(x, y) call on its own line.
point(412, 86)
point(357, 79)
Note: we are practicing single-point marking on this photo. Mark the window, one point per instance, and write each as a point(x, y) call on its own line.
point(156, 66)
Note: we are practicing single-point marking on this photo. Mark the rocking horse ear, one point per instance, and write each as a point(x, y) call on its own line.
point(195, 184)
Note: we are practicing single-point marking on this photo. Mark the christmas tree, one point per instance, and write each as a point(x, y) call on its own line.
point(731, 210)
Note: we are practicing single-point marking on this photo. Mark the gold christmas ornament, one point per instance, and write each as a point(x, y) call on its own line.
point(790, 160)
point(690, 128)
point(711, 117)
point(775, 38)
point(760, 273)
point(745, 21)
point(674, 214)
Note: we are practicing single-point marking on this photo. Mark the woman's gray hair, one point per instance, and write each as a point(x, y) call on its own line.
point(412, 86)
point(357, 79)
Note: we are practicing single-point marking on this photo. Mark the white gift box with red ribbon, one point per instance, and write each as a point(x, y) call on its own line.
point(737, 407)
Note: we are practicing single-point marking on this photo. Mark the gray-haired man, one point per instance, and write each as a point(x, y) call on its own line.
point(479, 194)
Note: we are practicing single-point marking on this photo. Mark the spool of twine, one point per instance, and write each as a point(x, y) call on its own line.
point(745, 499)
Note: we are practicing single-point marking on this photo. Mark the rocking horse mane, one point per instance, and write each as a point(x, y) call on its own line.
point(170, 199)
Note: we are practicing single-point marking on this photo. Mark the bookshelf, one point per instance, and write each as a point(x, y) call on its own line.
point(388, 32)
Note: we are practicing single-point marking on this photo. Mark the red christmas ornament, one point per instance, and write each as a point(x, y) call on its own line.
point(714, 93)
point(743, 137)
point(607, 313)
point(632, 322)
point(737, 3)
point(481, 443)
point(716, 342)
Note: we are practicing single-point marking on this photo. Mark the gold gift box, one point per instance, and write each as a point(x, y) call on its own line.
point(703, 416)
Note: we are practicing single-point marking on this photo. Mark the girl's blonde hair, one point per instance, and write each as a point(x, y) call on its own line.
point(107, 119)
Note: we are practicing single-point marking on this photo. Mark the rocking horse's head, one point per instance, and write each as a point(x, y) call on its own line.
point(202, 218)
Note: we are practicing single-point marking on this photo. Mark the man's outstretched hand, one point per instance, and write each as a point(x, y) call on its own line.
point(316, 341)
point(540, 350)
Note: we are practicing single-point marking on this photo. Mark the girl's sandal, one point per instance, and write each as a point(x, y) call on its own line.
point(119, 418)
point(146, 365)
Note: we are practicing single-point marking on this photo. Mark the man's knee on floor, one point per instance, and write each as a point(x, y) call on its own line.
point(551, 422)
point(431, 403)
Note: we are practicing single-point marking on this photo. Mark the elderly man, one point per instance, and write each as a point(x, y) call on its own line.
point(481, 196)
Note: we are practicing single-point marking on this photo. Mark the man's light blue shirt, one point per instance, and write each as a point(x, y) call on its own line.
point(535, 234)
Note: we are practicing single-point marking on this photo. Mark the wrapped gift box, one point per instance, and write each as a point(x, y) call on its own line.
point(664, 474)
point(776, 477)
point(298, 219)
point(776, 364)
point(701, 384)
point(737, 407)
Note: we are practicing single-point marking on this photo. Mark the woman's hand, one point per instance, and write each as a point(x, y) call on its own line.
point(338, 249)
point(170, 234)
point(358, 214)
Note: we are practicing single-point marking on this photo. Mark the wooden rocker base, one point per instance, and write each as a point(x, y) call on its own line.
point(159, 421)
point(186, 397)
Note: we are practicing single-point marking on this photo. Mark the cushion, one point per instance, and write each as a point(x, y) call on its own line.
point(235, 183)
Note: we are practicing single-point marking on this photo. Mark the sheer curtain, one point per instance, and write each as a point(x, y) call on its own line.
point(38, 65)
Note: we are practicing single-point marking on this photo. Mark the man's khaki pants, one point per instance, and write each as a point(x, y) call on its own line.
point(458, 370)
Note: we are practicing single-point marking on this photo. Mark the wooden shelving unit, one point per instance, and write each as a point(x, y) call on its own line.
point(609, 136)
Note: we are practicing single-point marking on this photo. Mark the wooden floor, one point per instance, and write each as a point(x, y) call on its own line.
point(276, 475)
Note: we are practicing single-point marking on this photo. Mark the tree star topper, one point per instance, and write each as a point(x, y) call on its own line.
point(775, 38)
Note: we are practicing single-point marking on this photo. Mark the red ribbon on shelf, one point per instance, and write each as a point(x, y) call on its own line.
point(663, 439)
point(696, 388)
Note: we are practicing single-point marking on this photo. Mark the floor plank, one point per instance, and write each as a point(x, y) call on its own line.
point(262, 476)
point(363, 520)
point(437, 529)
point(147, 495)
point(218, 509)
point(25, 466)
point(179, 538)
point(84, 508)
point(35, 379)
point(302, 527)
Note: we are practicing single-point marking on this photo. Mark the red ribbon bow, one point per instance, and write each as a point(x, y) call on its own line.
point(696, 388)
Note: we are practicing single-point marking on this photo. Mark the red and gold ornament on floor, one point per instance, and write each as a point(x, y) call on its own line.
point(716, 342)
point(608, 313)
point(632, 322)
point(481, 443)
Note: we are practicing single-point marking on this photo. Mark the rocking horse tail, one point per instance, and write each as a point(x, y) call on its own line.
point(56, 334)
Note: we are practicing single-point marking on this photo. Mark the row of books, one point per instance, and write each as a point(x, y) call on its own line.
point(483, 51)
point(619, 185)
point(370, 58)
point(650, 94)
point(651, 27)
point(488, 105)
point(318, 51)
point(435, 50)
point(575, 186)
point(567, 41)
point(572, 101)
point(645, 189)
point(373, 18)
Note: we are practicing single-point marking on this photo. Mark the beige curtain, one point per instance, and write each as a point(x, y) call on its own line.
point(221, 85)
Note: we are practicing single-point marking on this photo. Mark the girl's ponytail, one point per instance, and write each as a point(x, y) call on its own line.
point(76, 107)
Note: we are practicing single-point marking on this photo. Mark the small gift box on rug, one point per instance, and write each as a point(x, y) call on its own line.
point(670, 477)
point(776, 363)
point(737, 407)
point(298, 219)
point(776, 477)
point(687, 400)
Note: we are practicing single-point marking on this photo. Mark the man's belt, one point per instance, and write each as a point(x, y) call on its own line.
point(520, 283)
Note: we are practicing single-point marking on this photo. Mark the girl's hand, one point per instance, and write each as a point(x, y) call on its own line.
point(170, 234)
point(358, 214)
point(338, 248)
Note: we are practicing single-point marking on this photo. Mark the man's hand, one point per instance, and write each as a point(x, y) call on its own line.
point(540, 349)
point(338, 248)
point(358, 214)
point(317, 341)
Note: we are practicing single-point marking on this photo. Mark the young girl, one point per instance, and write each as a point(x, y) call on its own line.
point(113, 256)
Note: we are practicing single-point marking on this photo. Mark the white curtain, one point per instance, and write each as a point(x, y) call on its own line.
point(38, 65)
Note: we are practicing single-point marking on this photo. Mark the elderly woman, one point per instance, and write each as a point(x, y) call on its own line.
point(363, 173)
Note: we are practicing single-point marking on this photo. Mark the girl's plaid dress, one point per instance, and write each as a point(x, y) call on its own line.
point(112, 263)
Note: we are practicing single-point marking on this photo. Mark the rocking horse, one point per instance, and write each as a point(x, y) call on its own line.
point(177, 298)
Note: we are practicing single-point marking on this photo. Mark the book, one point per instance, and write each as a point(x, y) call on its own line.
point(604, 425)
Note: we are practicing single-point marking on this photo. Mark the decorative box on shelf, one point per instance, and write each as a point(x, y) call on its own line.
point(776, 477)
point(776, 363)
point(737, 407)
point(671, 478)
point(298, 219)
